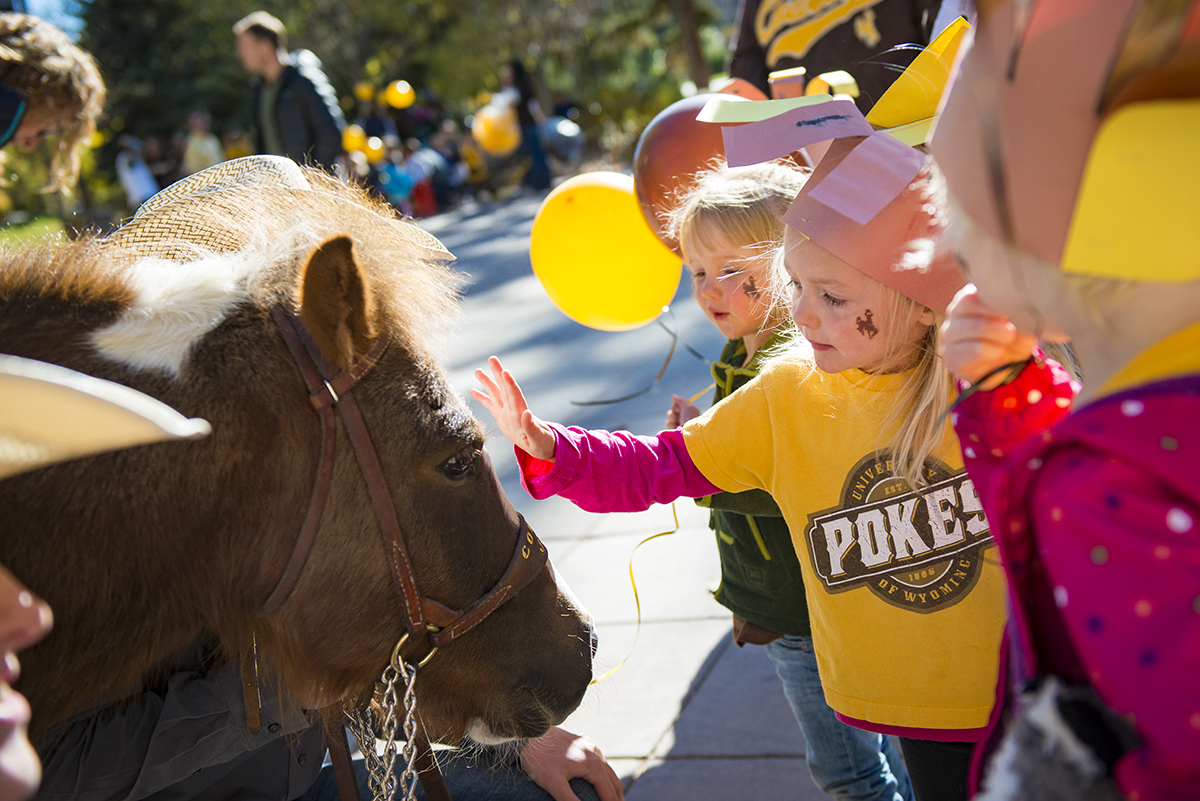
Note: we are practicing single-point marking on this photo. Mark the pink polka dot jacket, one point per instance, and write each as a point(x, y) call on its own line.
point(1095, 514)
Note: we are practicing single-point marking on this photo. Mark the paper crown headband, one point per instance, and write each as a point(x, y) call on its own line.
point(1070, 134)
point(867, 201)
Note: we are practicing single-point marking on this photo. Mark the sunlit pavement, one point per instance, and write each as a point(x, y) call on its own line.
point(686, 715)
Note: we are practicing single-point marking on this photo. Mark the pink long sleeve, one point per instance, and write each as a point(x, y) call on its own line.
point(614, 471)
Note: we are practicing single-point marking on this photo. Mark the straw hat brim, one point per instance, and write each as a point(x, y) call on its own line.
point(50, 414)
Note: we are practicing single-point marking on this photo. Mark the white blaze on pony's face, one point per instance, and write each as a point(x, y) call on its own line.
point(176, 306)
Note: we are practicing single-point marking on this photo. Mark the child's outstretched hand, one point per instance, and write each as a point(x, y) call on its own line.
point(680, 412)
point(504, 399)
point(977, 340)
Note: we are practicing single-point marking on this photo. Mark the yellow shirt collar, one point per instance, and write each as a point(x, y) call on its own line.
point(1178, 354)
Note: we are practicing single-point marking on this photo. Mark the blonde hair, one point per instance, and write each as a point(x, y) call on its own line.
point(40, 62)
point(742, 205)
point(919, 426)
point(739, 206)
point(1094, 295)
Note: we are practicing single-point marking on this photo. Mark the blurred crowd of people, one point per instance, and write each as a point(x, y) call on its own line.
point(415, 154)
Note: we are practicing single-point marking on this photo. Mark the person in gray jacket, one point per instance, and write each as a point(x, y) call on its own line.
point(186, 738)
point(294, 108)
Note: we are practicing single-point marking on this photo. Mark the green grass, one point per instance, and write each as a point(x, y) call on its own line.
point(38, 228)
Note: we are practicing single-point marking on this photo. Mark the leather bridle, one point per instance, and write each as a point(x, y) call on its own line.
point(423, 617)
point(328, 389)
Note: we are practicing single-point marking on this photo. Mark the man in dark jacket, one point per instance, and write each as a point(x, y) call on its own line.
point(295, 110)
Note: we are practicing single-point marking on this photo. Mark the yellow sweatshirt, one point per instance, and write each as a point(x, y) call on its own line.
point(905, 592)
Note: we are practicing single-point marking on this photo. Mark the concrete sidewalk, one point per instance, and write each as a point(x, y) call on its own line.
point(686, 716)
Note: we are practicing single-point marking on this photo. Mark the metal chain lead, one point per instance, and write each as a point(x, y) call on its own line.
point(366, 725)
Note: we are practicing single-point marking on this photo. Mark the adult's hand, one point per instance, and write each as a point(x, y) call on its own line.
point(558, 756)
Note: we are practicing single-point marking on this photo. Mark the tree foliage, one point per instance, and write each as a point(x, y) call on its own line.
point(162, 58)
point(621, 61)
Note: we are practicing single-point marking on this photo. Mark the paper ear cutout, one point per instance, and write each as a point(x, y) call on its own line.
point(892, 166)
point(1065, 135)
point(792, 130)
point(915, 95)
point(907, 223)
point(867, 202)
point(1138, 209)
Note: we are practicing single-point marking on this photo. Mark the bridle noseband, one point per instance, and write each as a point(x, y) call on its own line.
point(327, 389)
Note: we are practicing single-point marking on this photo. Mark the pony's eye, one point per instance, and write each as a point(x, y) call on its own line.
point(460, 465)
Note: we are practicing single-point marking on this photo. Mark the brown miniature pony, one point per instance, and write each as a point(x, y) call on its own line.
point(143, 552)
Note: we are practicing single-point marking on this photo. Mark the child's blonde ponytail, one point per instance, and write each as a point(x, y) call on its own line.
point(921, 425)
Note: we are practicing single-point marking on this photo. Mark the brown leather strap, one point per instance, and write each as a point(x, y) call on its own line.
point(356, 429)
point(317, 390)
point(339, 755)
point(323, 395)
point(528, 559)
point(385, 511)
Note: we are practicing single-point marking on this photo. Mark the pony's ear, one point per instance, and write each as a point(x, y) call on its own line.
point(336, 302)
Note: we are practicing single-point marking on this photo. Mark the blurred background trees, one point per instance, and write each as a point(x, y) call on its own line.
point(617, 62)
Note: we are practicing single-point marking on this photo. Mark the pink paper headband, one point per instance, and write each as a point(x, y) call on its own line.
point(867, 201)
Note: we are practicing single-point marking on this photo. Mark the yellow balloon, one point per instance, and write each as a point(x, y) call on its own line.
point(373, 149)
point(353, 138)
point(399, 94)
point(363, 90)
point(597, 258)
point(496, 130)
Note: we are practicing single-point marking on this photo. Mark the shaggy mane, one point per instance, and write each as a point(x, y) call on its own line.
point(274, 228)
point(267, 227)
point(63, 275)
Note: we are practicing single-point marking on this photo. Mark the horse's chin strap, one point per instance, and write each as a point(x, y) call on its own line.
point(328, 388)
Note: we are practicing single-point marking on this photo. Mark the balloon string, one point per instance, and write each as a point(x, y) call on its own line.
point(661, 371)
point(636, 601)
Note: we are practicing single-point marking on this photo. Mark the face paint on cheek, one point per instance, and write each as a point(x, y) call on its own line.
point(865, 326)
point(750, 288)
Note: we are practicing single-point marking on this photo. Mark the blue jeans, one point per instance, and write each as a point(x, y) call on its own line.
point(845, 762)
point(468, 778)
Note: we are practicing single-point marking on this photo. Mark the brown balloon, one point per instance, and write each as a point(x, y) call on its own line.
point(671, 150)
